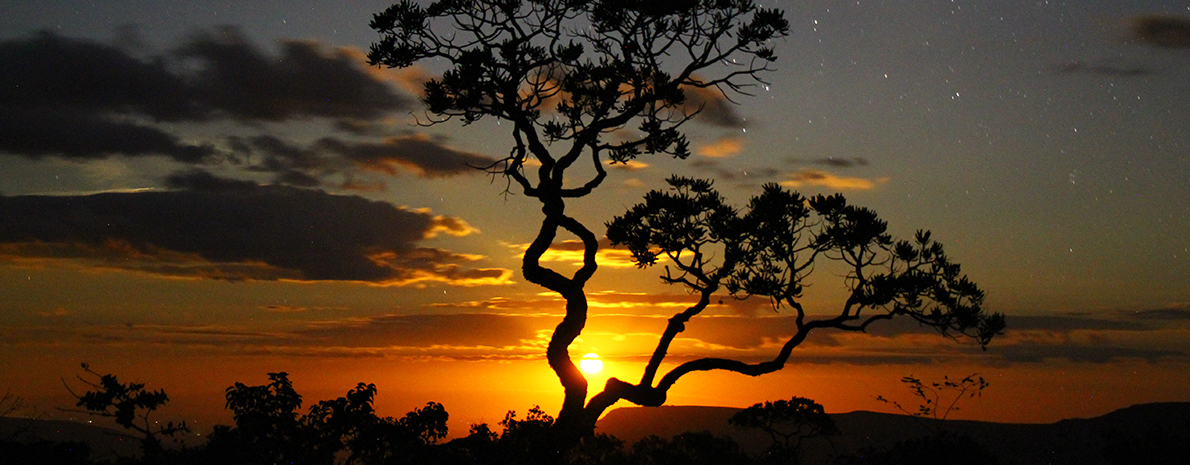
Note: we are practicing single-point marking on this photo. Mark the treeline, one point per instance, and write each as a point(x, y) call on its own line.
point(272, 428)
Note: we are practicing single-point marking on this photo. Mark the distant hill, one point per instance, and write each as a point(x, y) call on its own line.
point(1074, 441)
point(105, 443)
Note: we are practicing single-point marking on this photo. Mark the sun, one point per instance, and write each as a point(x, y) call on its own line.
point(591, 363)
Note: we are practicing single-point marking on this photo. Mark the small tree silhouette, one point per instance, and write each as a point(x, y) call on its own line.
point(269, 428)
point(939, 398)
point(787, 422)
point(130, 405)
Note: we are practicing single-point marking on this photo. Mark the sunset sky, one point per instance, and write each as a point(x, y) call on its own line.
point(198, 193)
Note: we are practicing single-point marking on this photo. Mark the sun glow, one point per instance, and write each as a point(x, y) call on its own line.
point(591, 363)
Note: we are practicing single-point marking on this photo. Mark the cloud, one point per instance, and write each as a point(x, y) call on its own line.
point(1171, 314)
point(419, 154)
point(714, 108)
point(630, 165)
point(310, 166)
point(234, 77)
point(81, 99)
point(812, 177)
point(722, 147)
point(36, 133)
point(1078, 67)
point(503, 328)
point(718, 172)
point(222, 229)
point(571, 251)
point(1166, 31)
point(835, 162)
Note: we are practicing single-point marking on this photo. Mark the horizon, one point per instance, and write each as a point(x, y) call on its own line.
point(1045, 145)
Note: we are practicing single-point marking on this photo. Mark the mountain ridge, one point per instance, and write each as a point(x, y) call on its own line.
point(1068, 441)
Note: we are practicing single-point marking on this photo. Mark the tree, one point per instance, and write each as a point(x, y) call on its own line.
point(787, 422)
point(269, 428)
point(935, 394)
point(568, 74)
point(769, 249)
point(130, 405)
point(597, 68)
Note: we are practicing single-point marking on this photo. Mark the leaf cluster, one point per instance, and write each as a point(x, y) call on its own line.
point(787, 422)
point(129, 405)
point(771, 246)
point(568, 70)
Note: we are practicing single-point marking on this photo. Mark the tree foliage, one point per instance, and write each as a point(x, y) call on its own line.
point(770, 248)
point(270, 429)
point(939, 398)
point(787, 422)
point(130, 406)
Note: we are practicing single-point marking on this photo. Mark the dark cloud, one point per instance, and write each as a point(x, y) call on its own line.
point(831, 162)
point(1161, 30)
point(1078, 67)
point(1033, 353)
point(234, 230)
point(52, 73)
point(719, 172)
point(233, 76)
point(713, 107)
point(1066, 323)
point(841, 162)
point(36, 133)
point(1162, 314)
point(84, 100)
point(426, 156)
point(305, 166)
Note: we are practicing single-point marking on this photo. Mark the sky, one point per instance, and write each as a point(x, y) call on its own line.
point(194, 194)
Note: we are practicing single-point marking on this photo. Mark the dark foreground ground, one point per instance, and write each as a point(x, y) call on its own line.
point(1147, 433)
point(1143, 434)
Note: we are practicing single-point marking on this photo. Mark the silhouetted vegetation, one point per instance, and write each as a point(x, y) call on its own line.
point(936, 449)
point(787, 422)
point(1154, 445)
point(567, 74)
point(130, 405)
point(271, 427)
point(939, 398)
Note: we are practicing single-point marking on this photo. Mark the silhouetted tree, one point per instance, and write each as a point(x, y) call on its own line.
point(130, 405)
point(787, 422)
point(269, 428)
point(566, 73)
point(937, 393)
point(768, 249)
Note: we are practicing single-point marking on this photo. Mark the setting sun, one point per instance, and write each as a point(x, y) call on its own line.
point(591, 363)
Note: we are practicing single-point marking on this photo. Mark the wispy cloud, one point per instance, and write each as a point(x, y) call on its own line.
point(494, 334)
point(812, 177)
point(571, 252)
point(722, 147)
